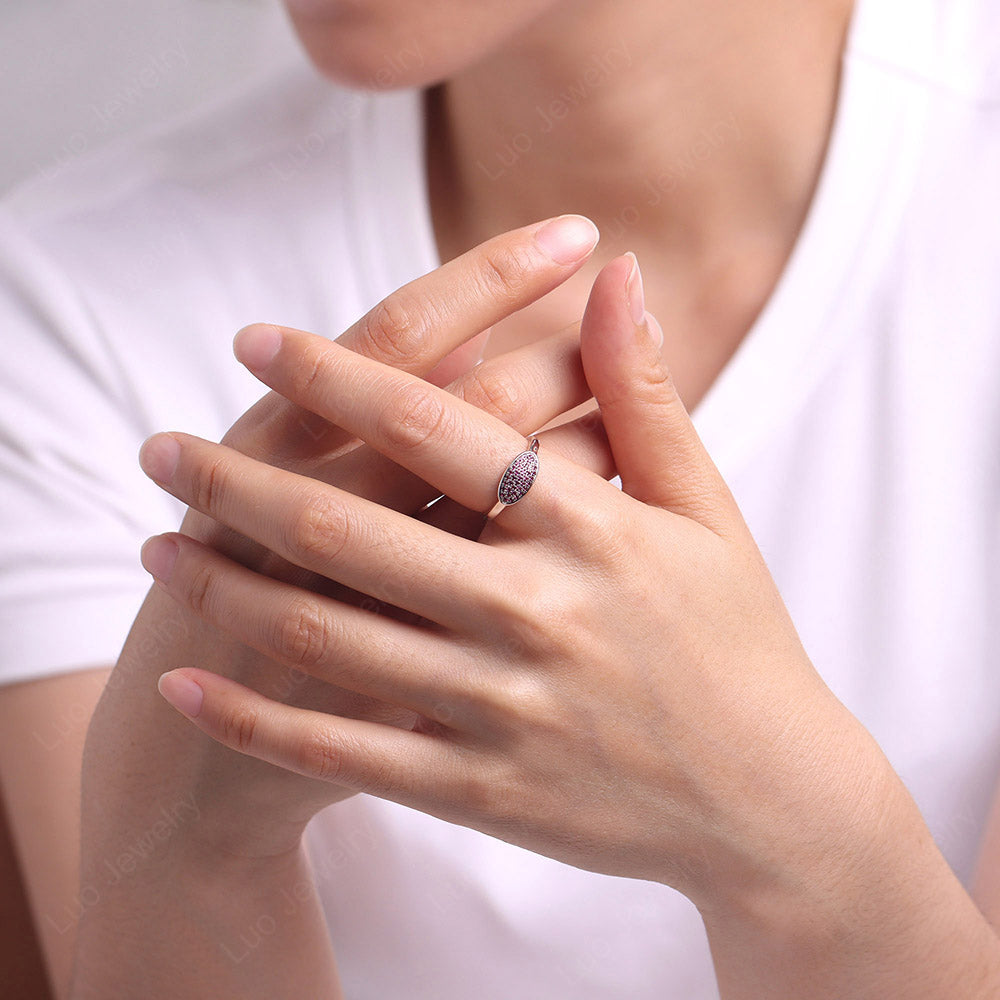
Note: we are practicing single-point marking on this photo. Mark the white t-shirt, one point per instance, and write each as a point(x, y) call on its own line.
point(858, 426)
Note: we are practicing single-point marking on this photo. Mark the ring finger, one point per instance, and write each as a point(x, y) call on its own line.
point(525, 389)
point(450, 444)
point(350, 647)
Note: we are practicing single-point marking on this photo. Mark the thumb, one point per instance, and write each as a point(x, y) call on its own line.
point(657, 451)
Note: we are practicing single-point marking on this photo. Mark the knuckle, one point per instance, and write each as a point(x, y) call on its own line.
point(548, 625)
point(520, 703)
point(394, 331)
point(661, 377)
point(309, 373)
point(479, 795)
point(237, 727)
point(323, 755)
point(653, 387)
point(656, 390)
point(322, 530)
point(209, 486)
point(201, 591)
point(496, 393)
point(303, 637)
point(596, 534)
point(493, 793)
point(416, 416)
point(505, 270)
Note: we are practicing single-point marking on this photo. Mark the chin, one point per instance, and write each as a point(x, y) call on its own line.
point(396, 44)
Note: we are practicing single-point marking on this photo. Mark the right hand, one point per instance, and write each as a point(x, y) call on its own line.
point(141, 757)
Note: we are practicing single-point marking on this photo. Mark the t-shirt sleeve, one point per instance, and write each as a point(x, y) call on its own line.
point(74, 506)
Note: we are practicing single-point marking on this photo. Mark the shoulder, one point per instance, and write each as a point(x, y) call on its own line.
point(123, 276)
point(281, 203)
point(145, 256)
point(248, 138)
point(206, 192)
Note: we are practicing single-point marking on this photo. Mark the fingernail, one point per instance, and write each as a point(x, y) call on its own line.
point(159, 456)
point(181, 692)
point(256, 346)
point(568, 239)
point(634, 291)
point(158, 556)
point(655, 330)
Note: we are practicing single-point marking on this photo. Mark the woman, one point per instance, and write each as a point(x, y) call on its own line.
point(608, 679)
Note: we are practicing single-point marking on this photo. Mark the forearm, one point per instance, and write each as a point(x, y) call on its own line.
point(42, 727)
point(894, 922)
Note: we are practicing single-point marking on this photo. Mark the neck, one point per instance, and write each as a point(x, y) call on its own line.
point(677, 128)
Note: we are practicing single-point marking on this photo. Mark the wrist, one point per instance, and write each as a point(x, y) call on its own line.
point(202, 923)
point(862, 905)
point(795, 814)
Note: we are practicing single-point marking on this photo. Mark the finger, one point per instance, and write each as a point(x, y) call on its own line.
point(357, 543)
point(525, 388)
point(656, 449)
point(407, 767)
point(581, 441)
point(417, 327)
point(350, 647)
point(450, 444)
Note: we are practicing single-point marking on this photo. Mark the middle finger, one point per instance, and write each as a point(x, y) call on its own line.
point(526, 389)
point(362, 545)
point(447, 442)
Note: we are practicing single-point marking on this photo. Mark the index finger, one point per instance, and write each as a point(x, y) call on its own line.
point(419, 324)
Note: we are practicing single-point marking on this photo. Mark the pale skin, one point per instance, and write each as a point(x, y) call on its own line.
point(670, 741)
point(711, 249)
point(250, 815)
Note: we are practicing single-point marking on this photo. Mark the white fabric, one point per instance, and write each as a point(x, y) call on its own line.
point(858, 425)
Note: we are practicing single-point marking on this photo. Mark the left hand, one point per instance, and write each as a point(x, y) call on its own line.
point(608, 677)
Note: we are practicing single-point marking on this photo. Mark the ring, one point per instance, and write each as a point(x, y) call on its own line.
point(517, 478)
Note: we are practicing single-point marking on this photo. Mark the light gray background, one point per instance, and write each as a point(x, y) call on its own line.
point(78, 72)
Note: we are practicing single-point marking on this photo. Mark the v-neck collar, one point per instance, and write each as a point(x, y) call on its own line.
point(860, 193)
point(796, 336)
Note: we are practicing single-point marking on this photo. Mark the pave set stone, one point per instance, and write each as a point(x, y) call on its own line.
point(518, 477)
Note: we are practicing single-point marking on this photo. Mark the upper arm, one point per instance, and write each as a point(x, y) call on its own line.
point(21, 968)
point(986, 881)
point(42, 728)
